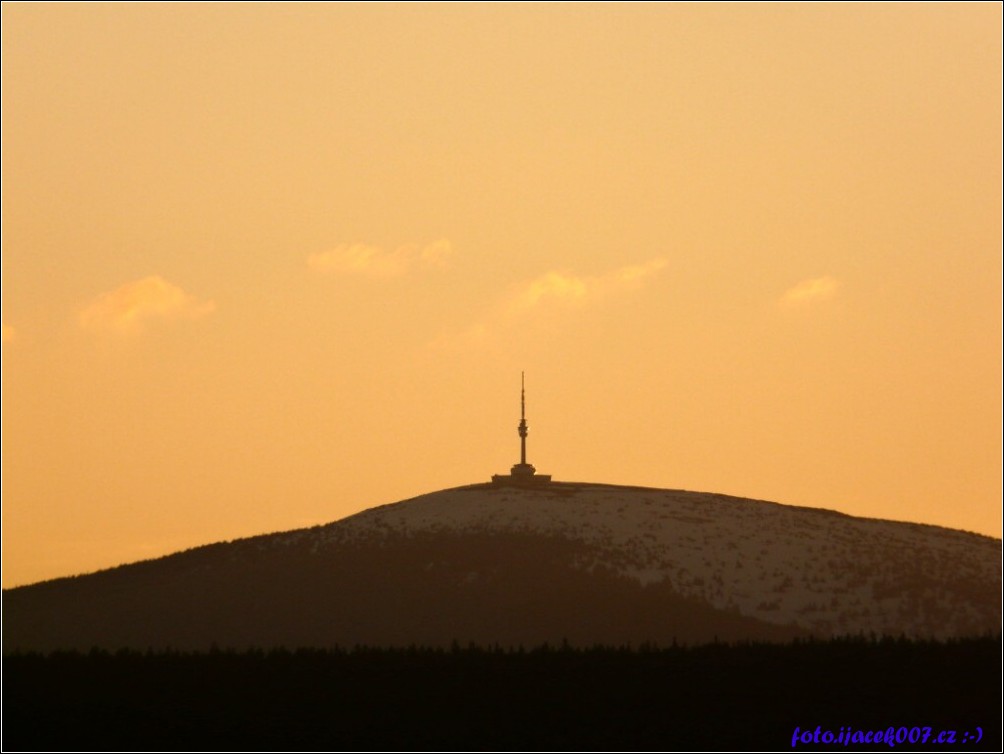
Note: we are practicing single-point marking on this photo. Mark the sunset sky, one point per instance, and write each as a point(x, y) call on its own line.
point(265, 266)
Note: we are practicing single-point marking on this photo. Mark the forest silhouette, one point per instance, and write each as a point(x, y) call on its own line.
point(716, 696)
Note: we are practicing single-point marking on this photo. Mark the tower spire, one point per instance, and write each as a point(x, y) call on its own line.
point(522, 473)
point(522, 418)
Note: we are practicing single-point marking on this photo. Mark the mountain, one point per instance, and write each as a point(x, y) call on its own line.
point(582, 563)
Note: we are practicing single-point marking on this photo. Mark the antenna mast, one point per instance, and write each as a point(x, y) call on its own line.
point(522, 473)
point(522, 418)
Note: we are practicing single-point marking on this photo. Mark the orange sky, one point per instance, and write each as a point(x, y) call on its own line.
point(267, 265)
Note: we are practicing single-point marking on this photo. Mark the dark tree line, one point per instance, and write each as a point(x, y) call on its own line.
point(717, 696)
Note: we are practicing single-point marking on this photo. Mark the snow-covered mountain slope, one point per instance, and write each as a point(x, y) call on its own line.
point(818, 569)
point(585, 562)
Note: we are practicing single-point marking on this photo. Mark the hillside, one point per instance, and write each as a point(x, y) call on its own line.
point(578, 562)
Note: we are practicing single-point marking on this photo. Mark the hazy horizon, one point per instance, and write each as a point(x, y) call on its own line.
point(265, 266)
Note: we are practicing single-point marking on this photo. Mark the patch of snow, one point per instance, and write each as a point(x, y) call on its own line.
point(821, 570)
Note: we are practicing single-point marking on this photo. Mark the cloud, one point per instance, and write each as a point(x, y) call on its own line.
point(551, 290)
point(551, 286)
point(365, 259)
point(564, 287)
point(810, 291)
point(9, 333)
point(130, 307)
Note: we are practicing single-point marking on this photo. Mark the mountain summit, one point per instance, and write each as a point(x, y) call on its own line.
point(490, 563)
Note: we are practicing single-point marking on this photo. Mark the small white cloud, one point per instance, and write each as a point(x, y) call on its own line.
point(366, 259)
point(568, 288)
point(437, 253)
point(128, 308)
point(635, 274)
point(551, 286)
point(810, 291)
point(554, 288)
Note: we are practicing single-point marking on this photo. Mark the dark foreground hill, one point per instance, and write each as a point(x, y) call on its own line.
point(586, 564)
point(919, 695)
